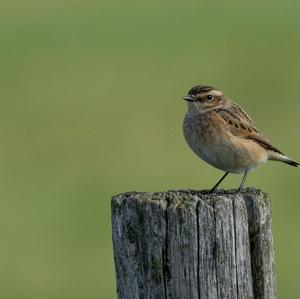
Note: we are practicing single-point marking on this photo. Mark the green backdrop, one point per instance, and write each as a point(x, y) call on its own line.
point(91, 106)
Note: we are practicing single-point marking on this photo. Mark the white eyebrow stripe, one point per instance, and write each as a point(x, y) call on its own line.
point(215, 92)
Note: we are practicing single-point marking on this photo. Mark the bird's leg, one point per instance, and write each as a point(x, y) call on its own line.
point(243, 181)
point(218, 183)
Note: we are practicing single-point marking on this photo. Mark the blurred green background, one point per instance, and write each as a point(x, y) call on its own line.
point(91, 107)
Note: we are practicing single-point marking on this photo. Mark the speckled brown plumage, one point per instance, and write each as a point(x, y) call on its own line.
point(222, 134)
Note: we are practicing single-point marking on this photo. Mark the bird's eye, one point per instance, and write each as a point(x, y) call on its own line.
point(209, 97)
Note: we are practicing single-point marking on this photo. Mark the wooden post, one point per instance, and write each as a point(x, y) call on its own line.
point(191, 244)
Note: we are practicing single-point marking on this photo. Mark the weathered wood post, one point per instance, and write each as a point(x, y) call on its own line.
point(191, 244)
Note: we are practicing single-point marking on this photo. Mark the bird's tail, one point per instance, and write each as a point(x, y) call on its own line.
point(283, 158)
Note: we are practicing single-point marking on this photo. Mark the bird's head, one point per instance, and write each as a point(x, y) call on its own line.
point(203, 97)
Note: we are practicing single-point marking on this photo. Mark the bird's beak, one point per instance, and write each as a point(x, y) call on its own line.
point(189, 98)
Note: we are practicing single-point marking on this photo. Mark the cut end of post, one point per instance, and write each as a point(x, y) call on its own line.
point(189, 192)
point(193, 244)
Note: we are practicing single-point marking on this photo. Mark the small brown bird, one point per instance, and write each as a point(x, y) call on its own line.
point(222, 134)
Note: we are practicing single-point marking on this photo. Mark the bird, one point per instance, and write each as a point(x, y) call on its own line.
point(222, 134)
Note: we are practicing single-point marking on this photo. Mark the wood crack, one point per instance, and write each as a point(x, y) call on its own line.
point(215, 248)
point(198, 249)
point(235, 246)
point(165, 253)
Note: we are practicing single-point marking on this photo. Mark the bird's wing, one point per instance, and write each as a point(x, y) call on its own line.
point(241, 125)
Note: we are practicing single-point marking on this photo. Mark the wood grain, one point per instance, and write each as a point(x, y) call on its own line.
point(191, 244)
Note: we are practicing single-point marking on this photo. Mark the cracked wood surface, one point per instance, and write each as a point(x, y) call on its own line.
point(191, 244)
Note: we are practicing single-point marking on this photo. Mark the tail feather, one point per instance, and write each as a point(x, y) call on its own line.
point(284, 159)
point(291, 162)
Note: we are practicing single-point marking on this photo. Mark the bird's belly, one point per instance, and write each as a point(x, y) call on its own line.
point(223, 150)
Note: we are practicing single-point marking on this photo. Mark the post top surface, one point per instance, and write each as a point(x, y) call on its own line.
point(190, 196)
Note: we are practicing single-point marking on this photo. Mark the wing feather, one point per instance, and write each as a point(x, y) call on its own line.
point(241, 125)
